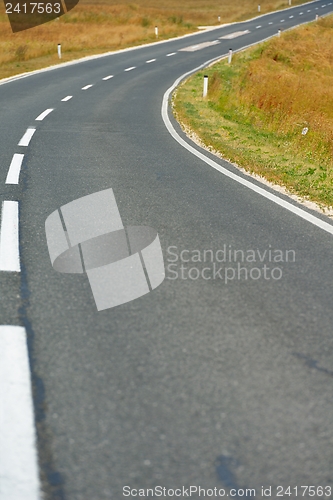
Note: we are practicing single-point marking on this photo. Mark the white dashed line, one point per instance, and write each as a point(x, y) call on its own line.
point(107, 77)
point(130, 69)
point(316, 8)
point(308, 10)
point(150, 61)
point(323, 6)
point(44, 114)
point(67, 98)
point(14, 169)
point(257, 27)
point(270, 22)
point(19, 478)
point(282, 21)
point(171, 54)
point(27, 137)
point(9, 242)
point(290, 17)
point(233, 35)
point(301, 13)
point(87, 87)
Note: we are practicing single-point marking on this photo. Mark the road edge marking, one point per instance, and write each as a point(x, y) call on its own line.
point(251, 185)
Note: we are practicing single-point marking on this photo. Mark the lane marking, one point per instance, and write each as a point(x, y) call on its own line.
point(107, 77)
point(199, 46)
point(9, 238)
point(14, 169)
point(257, 27)
point(87, 87)
point(44, 114)
point(308, 10)
point(150, 61)
point(270, 23)
point(290, 17)
point(282, 21)
point(130, 68)
point(234, 35)
point(19, 477)
point(301, 13)
point(67, 98)
point(27, 137)
point(171, 54)
point(257, 189)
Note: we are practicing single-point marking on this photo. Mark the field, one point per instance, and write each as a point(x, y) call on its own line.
point(100, 26)
point(271, 110)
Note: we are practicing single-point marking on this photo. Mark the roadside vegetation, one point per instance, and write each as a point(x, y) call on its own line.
point(99, 26)
point(271, 110)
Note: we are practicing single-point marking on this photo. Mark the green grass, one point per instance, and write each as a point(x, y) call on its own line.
point(258, 106)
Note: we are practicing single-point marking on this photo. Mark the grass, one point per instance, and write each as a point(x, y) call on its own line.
point(258, 106)
point(100, 26)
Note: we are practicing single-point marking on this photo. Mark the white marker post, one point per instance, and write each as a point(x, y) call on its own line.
point(219, 19)
point(258, 8)
point(289, 2)
point(205, 86)
point(59, 50)
point(156, 31)
point(317, 17)
point(230, 56)
point(279, 32)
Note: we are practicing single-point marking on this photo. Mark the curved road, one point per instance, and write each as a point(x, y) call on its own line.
point(222, 376)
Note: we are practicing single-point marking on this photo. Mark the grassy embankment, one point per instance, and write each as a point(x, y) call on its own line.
point(100, 26)
point(257, 107)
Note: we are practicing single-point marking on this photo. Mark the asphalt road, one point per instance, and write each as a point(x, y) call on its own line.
point(201, 382)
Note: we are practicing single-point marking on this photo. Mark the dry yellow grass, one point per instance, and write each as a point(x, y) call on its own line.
point(100, 26)
point(257, 108)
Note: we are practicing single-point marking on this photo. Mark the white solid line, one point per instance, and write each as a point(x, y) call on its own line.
point(150, 61)
point(257, 189)
point(14, 169)
point(44, 114)
point(9, 238)
point(67, 98)
point(27, 137)
point(130, 69)
point(171, 54)
point(86, 87)
point(19, 478)
point(107, 77)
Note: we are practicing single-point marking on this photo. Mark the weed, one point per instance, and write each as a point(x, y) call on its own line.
point(264, 100)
